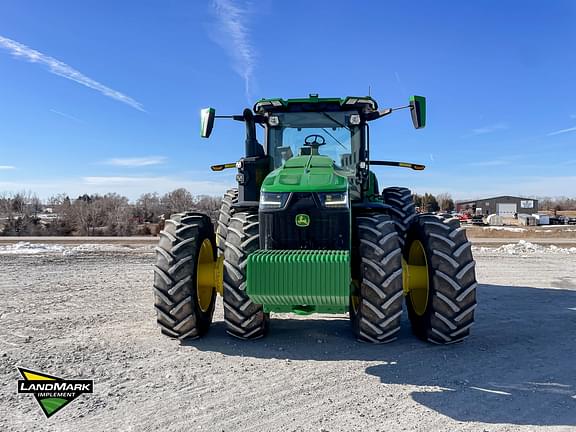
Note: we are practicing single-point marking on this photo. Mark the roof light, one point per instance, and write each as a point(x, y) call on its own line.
point(267, 103)
point(365, 101)
point(273, 121)
point(261, 104)
point(354, 119)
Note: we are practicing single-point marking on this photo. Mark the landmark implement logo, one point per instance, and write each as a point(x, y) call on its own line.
point(52, 393)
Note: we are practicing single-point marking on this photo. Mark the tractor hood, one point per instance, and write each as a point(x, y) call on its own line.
point(306, 174)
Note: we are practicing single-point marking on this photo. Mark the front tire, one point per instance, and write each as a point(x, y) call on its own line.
point(403, 210)
point(184, 303)
point(376, 302)
point(440, 279)
point(226, 212)
point(244, 319)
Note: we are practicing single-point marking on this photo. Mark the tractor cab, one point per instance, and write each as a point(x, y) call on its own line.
point(315, 126)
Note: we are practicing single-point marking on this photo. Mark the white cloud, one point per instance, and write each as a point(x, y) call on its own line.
point(134, 186)
point(115, 180)
point(473, 185)
point(62, 69)
point(7, 167)
point(137, 162)
point(236, 40)
point(562, 131)
point(477, 184)
point(489, 129)
point(129, 186)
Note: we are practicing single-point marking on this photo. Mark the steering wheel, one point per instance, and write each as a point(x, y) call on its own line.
point(314, 140)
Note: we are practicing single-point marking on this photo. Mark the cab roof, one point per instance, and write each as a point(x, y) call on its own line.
point(315, 103)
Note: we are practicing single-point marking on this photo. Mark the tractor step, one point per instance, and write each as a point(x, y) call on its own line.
point(301, 281)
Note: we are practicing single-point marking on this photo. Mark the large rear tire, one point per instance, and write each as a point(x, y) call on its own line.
point(184, 303)
point(403, 210)
point(376, 302)
point(226, 212)
point(440, 278)
point(244, 319)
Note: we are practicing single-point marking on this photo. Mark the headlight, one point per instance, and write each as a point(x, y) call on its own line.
point(334, 199)
point(269, 200)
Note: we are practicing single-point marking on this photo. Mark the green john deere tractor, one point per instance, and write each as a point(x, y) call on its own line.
point(308, 230)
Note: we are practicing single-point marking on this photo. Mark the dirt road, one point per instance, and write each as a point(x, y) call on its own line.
point(89, 315)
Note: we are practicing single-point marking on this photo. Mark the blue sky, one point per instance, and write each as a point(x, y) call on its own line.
point(104, 96)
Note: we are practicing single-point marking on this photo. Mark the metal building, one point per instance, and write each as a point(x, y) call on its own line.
point(506, 206)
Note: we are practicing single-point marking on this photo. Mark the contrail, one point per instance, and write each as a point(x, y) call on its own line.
point(562, 131)
point(62, 69)
point(233, 20)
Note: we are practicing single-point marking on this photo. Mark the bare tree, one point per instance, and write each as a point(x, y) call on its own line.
point(148, 208)
point(208, 205)
point(117, 214)
point(445, 202)
point(178, 200)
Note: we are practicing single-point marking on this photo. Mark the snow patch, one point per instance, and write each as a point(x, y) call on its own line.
point(27, 248)
point(526, 248)
point(503, 228)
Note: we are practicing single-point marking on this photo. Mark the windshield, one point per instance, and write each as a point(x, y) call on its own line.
point(341, 140)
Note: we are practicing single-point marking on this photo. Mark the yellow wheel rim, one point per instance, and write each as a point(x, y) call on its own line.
point(205, 275)
point(415, 277)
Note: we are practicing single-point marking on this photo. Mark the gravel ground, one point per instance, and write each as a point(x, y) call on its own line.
point(89, 315)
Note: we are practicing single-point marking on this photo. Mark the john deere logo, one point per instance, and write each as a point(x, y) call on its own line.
point(52, 393)
point(302, 220)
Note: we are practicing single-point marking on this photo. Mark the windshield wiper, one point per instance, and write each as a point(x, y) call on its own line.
point(335, 121)
point(334, 138)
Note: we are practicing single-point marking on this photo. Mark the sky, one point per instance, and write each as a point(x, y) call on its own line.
point(104, 96)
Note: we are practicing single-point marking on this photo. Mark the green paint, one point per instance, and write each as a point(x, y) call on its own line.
point(418, 111)
point(306, 174)
point(312, 99)
point(206, 121)
point(308, 310)
point(302, 281)
point(372, 191)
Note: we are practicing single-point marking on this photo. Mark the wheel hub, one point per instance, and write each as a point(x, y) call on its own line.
point(208, 275)
point(415, 277)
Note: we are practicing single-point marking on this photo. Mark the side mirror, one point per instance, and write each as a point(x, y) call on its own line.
point(418, 111)
point(207, 116)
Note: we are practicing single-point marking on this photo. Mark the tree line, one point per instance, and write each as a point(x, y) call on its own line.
point(112, 214)
point(427, 202)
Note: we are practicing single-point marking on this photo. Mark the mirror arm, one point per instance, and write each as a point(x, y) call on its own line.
point(377, 114)
point(402, 107)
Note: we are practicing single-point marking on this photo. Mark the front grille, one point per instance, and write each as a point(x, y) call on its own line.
point(328, 229)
